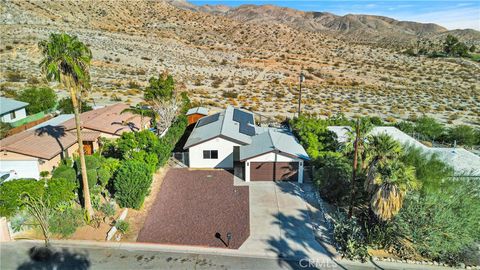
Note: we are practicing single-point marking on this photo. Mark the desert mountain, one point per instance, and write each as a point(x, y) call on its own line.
point(352, 27)
point(250, 61)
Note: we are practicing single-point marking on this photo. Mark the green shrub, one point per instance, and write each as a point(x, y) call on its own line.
point(350, 238)
point(314, 135)
point(441, 224)
point(65, 171)
point(132, 183)
point(40, 99)
point(66, 222)
point(60, 190)
point(108, 209)
point(11, 191)
point(429, 128)
point(122, 226)
point(463, 135)
point(333, 178)
point(406, 126)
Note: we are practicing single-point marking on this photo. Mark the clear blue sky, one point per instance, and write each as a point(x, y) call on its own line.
point(450, 14)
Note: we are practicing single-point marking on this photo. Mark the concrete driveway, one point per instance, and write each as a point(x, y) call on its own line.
point(281, 221)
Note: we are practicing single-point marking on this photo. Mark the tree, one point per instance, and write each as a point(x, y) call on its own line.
point(360, 130)
point(472, 49)
point(66, 60)
point(65, 106)
point(161, 88)
point(392, 180)
point(39, 208)
point(388, 179)
point(39, 99)
point(429, 127)
point(449, 44)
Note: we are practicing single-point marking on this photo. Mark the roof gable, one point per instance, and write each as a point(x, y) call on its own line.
point(7, 105)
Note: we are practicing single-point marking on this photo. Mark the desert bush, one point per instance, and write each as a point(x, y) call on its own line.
point(14, 76)
point(350, 238)
point(230, 94)
point(441, 223)
point(463, 135)
point(429, 127)
point(132, 183)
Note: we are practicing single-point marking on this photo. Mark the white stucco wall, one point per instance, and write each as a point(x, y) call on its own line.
point(22, 168)
point(225, 154)
point(19, 114)
point(271, 157)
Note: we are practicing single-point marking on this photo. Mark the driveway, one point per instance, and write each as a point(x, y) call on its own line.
point(281, 221)
point(198, 207)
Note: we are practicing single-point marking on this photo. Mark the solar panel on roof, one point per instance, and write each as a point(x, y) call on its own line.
point(242, 117)
point(247, 129)
point(208, 119)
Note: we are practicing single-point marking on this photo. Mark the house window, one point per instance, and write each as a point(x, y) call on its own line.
point(13, 115)
point(210, 154)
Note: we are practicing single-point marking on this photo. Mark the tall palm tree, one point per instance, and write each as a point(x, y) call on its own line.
point(358, 135)
point(392, 180)
point(66, 60)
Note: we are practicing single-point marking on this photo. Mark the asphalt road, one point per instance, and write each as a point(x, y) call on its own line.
point(16, 256)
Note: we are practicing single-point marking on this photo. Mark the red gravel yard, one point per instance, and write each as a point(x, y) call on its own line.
point(198, 207)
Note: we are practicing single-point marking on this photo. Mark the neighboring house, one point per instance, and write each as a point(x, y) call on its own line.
point(231, 140)
point(12, 110)
point(41, 148)
point(194, 114)
point(30, 152)
point(462, 161)
point(109, 121)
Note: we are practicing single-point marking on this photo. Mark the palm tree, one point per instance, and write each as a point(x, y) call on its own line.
point(379, 150)
point(392, 180)
point(142, 111)
point(66, 60)
point(358, 135)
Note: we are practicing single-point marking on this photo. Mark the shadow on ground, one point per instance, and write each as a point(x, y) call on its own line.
point(42, 259)
point(297, 237)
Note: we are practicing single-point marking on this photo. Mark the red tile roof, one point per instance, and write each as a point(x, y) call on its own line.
point(109, 120)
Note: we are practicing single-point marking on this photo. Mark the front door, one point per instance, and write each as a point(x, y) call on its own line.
point(88, 148)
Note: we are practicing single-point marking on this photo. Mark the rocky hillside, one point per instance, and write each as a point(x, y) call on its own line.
point(360, 28)
point(222, 59)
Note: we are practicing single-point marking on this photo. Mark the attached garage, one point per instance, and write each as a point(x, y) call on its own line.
point(274, 166)
point(274, 171)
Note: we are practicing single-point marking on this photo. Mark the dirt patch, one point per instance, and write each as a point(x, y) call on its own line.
point(198, 207)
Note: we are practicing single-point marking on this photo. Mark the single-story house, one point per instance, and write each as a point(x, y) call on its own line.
point(12, 110)
point(461, 160)
point(41, 148)
point(194, 114)
point(231, 140)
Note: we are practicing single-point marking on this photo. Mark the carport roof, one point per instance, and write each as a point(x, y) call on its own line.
point(273, 139)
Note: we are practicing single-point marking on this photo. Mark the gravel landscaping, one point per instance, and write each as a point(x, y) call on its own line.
point(198, 207)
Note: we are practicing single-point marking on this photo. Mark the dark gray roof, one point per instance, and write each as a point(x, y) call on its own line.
point(223, 126)
point(262, 141)
point(7, 105)
point(273, 139)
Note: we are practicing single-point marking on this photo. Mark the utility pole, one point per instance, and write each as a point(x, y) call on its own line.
point(301, 78)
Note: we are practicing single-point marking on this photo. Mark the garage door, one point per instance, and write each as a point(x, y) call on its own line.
point(270, 171)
